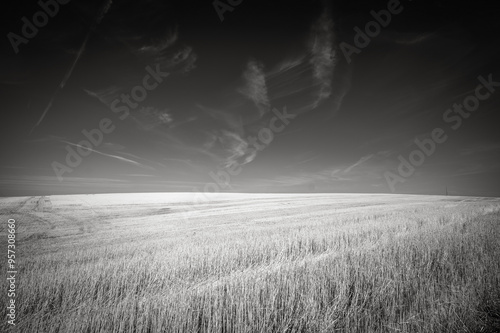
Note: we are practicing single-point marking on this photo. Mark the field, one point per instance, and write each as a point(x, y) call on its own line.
point(254, 263)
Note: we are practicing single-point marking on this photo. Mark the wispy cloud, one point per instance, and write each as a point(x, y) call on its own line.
point(255, 88)
point(290, 63)
point(229, 119)
point(324, 55)
point(62, 83)
point(100, 15)
point(149, 117)
point(52, 180)
point(123, 159)
point(236, 148)
point(480, 148)
point(227, 141)
point(106, 95)
point(368, 167)
point(360, 161)
point(307, 160)
point(183, 60)
point(411, 39)
point(179, 60)
point(182, 122)
point(184, 161)
point(474, 169)
point(336, 175)
point(315, 77)
point(323, 177)
point(160, 45)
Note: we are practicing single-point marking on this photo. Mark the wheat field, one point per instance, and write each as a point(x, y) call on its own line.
point(255, 263)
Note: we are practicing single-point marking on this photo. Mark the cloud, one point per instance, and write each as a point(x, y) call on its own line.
point(334, 175)
point(228, 147)
point(144, 160)
point(183, 161)
point(361, 170)
point(113, 146)
point(160, 45)
point(480, 148)
point(101, 13)
point(123, 159)
point(226, 118)
point(290, 63)
point(182, 122)
point(325, 177)
point(106, 95)
point(308, 159)
point(149, 117)
point(63, 82)
point(411, 39)
point(181, 61)
point(255, 88)
point(314, 78)
point(323, 55)
point(236, 149)
point(225, 141)
point(474, 169)
point(360, 161)
point(52, 180)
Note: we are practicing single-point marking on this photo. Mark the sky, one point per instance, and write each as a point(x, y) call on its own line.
point(250, 96)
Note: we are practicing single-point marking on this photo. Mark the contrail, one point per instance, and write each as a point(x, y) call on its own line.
point(109, 155)
point(63, 82)
point(102, 11)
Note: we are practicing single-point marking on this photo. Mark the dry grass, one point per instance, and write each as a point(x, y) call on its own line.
point(247, 264)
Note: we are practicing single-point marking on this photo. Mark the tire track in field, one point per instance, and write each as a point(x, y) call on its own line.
point(22, 205)
point(40, 210)
point(11, 209)
point(35, 208)
point(89, 226)
point(27, 211)
point(81, 220)
point(44, 205)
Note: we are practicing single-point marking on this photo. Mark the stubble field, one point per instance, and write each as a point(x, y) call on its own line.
point(254, 263)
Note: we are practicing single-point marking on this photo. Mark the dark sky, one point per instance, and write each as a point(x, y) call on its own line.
point(279, 96)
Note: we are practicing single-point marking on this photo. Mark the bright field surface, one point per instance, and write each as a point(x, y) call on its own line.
point(253, 263)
